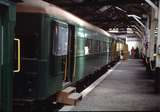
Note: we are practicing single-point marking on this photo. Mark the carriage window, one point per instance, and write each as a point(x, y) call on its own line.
point(87, 47)
point(95, 45)
point(104, 46)
point(60, 40)
point(101, 46)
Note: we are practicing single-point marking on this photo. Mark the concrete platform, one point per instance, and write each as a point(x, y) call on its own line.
point(127, 88)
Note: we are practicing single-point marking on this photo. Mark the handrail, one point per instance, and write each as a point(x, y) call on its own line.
point(19, 55)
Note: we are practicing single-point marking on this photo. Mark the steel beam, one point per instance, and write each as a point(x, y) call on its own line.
point(154, 7)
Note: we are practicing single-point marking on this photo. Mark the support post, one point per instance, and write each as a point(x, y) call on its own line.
point(157, 73)
point(158, 40)
point(147, 37)
point(152, 38)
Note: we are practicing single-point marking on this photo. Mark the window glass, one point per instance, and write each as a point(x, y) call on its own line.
point(95, 44)
point(104, 46)
point(101, 46)
point(60, 40)
point(87, 47)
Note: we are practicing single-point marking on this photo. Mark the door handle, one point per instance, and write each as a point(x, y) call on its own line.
point(19, 55)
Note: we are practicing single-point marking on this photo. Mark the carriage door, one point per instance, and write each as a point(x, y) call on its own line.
point(70, 57)
point(59, 48)
point(5, 75)
point(62, 58)
point(3, 84)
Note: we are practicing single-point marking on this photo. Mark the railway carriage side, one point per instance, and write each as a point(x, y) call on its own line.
point(54, 52)
point(47, 56)
point(41, 70)
point(91, 53)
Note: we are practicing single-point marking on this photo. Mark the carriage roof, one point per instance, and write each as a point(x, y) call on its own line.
point(39, 6)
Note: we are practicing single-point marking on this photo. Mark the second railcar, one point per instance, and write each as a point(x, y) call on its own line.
point(93, 51)
point(56, 47)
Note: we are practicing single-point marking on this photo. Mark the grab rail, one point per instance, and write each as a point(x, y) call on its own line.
point(19, 55)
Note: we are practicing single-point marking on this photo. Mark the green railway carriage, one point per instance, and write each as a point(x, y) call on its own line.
point(55, 47)
point(7, 24)
point(92, 52)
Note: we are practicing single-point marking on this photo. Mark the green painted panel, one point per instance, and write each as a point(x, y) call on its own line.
point(55, 84)
point(6, 40)
point(80, 44)
point(51, 72)
point(0, 63)
point(81, 32)
point(88, 64)
point(12, 12)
